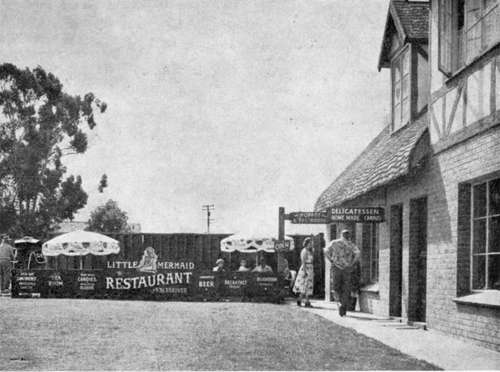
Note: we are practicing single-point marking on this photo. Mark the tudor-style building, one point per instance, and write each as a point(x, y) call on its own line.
point(436, 170)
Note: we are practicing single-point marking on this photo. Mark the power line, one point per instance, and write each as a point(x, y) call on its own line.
point(208, 208)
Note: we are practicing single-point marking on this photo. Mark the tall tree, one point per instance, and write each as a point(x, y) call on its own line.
point(109, 218)
point(103, 183)
point(39, 125)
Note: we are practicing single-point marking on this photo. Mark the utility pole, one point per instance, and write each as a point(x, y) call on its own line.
point(208, 208)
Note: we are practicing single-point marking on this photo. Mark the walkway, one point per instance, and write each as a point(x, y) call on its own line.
point(434, 347)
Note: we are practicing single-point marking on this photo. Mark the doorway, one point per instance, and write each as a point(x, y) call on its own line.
point(333, 232)
point(319, 265)
point(396, 260)
point(417, 282)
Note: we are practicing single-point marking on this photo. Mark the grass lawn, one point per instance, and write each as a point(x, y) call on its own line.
point(64, 334)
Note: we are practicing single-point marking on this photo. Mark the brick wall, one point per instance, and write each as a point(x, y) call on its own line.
point(474, 158)
point(439, 181)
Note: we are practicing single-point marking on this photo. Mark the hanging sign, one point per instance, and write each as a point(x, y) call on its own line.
point(308, 217)
point(282, 246)
point(363, 214)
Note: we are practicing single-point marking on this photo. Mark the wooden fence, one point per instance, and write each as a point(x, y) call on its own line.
point(202, 249)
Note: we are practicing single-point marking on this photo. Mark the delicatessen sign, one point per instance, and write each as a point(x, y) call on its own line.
point(360, 215)
point(366, 214)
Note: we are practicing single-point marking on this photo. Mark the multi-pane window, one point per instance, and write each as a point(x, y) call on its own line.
point(482, 26)
point(467, 28)
point(401, 90)
point(370, 251)
point(485, 263)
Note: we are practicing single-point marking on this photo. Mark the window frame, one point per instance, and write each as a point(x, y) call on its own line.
point(372, 256)
point(446, 67)
point(397, 60)
point(456, 41)
point(374, 248)
point(484, 11)
point(487, 217)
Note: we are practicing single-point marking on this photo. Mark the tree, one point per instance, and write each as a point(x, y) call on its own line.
point(39, 125)
point(103, 183)
point(108, 218)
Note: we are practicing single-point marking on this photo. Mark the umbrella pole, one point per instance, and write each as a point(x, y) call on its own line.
point(81, 263)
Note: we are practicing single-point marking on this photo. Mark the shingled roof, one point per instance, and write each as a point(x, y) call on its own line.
point(414, 17)
point(410, 19)
point(386, 158)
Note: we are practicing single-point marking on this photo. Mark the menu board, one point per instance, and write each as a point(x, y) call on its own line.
point(55, 280)
point(26, 284)
point(87, 281)
point(207, 285)
point(237, 284)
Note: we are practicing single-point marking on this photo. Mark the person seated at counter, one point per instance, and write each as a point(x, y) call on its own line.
point(262, 267)
point(243, 266)
point(219, 266)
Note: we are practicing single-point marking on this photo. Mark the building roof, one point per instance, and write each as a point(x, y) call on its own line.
point(386, 158)
point(411, 21)
point(414, 18)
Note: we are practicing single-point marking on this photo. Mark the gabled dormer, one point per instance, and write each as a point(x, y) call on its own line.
point(404, 50)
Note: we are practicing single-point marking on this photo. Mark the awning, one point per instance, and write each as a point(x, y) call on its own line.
point(81, 243)
point(26, 239)
point(388, 157)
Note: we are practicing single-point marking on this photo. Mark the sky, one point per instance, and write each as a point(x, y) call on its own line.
point(248, 105)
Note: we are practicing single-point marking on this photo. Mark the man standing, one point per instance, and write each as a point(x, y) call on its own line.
point(7, 255)
point(343, 254)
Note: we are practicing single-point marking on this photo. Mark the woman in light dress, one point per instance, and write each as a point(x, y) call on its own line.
point(304, 284)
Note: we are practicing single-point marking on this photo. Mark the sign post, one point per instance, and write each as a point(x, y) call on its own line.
point(281, 239)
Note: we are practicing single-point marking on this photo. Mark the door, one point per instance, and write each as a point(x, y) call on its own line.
point(333, 232)
point(417, 281)
point(319, 265)
point(396, 260)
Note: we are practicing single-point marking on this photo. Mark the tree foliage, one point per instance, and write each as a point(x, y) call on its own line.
point(108, 218)
point(39, 125)
point(103, 183)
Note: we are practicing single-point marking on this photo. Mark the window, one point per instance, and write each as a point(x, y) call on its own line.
point(467, 28)
point(485, 239)
point(333, 232)
point(369, 255)
point(445, 15)
point(401, 90)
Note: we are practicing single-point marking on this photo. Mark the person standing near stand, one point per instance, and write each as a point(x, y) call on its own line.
point(7, 255)
point(343, 254)
point(304, 283)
